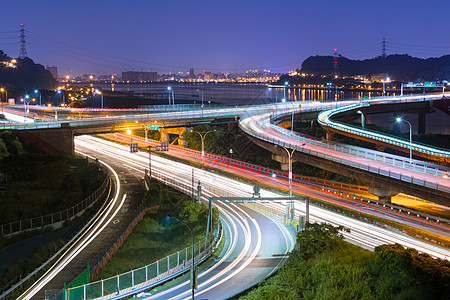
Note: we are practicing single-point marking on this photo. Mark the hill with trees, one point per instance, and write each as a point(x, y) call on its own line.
point(23, 76)
point(399, 66)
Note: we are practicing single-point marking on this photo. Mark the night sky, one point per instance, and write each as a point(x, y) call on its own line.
point(104, 37)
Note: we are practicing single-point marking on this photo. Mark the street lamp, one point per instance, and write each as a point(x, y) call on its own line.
point(63, 97)
point(6, 98)
point(173, 97)
point(40, 99)
point(192, 264)
point(399, 120)
point(388, 79)
point(202, 137)
point(290, 168)
point(26, 102)
point(284, 89)
point(101, 99)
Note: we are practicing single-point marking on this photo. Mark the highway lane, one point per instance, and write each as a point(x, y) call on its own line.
point(300, 187)
point(260, 125)
point(90, 232)
point(244, 262)
point(364, 234)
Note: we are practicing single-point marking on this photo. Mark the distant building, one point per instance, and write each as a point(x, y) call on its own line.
point(139, 76)
point(208, 76)
point(379, 77)
point(191, 73)
point(53, 70)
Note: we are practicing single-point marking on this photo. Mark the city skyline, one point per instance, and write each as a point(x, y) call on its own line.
point(107, 37)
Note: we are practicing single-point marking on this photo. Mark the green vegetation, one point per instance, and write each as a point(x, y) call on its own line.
point(27, 265)
point(41, 184)
point(23, 76)
point(157, 235)
point(38, 184)
point(327, 267)
point(399, 66)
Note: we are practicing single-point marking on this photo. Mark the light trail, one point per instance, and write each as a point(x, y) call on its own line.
point(251, 233)
point(93, 231)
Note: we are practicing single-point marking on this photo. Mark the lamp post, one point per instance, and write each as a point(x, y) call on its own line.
point(131, 137)
point(290, 168)
point(384, 85)
point(101, 99)
point(173, 96)
point(284, 89)
point(26, 102)
point(40, 96)
point(192, 264)
point(63, 97)
point(6, 98)
point(202, 137)
point(399, 120)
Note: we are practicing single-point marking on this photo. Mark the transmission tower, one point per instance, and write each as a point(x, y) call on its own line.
point(335, 64)
point(23, 47)
point(383, 47)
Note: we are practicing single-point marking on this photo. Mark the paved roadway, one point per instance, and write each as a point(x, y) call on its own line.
point(254, 244)
point(299, 187)
point(99, 237)
point(248, 256)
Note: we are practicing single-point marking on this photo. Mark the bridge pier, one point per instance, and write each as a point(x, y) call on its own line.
point(52, 140)
point(283, 160)
point(330, 135)
point(164, 136)
point(383, 194)
point(313, 127)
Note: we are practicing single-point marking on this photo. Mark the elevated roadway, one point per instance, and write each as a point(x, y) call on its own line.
point(327, 121)
point(392, 173)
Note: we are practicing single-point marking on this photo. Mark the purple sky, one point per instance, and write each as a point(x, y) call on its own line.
point(104, 37)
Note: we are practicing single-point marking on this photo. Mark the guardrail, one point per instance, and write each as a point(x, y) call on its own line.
point(148, 276)
point(162, 116)
point(54, 220)
point(264, 122)
point(324, 119)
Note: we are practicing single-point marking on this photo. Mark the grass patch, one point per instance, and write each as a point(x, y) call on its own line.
point(157, 235)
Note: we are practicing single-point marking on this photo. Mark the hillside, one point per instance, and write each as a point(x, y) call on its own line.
point(399, 67)
point(23, 76)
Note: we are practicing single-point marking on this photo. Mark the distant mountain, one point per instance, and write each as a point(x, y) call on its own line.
point(399, 67)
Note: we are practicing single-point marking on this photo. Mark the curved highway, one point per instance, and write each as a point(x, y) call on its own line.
point(247, 257)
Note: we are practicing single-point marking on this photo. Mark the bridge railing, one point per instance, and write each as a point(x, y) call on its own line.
point(151, 275)
point(351, 150)
point(324, 119)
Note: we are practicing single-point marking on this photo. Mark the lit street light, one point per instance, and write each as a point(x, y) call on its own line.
point(193, 271)
point(388, 79)
point(40, 96)
point(399, 120)
point(26, 102)
point(6, 97)
point(63, 97)
point(284, 90)
point(173, 96)
point(101, 99)
point(202, 137)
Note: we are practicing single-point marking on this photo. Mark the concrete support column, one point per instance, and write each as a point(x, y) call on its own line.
point(329, 135)
point(181, 140)
point(313, 127)
point(283, 160)
point(383, 194)
point(422, 118)
point(164, 136)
